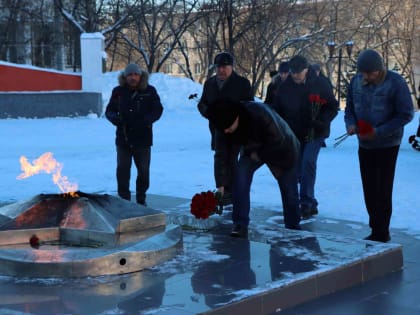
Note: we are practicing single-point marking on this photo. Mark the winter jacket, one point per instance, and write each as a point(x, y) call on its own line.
point(271, 89)
point(263, 131)
point(293, 103)
point(386, 106)
point(134, 112)
point(236, 88)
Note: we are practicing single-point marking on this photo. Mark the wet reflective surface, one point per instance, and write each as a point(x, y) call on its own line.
point(213, 271)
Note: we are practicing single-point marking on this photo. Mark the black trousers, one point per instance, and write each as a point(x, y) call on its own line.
point(225, 165)
point(377, 169)
point(141, 157)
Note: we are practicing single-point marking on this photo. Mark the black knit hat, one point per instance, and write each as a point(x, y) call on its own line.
point(298, 63)
point(316, 67)
point(223, 113)
point(284, 67)
point(369, 60)
point(223, 59)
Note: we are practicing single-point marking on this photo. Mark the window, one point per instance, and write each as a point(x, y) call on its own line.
point(167, 68)
point(197, 68)
point(180, 69)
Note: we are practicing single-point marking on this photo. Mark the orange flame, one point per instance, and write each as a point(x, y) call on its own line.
point(46, 163)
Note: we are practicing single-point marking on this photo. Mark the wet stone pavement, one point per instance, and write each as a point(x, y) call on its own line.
point(275, 271)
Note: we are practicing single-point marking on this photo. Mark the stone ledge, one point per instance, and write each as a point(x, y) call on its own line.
point(319, 283)
point(49, 104)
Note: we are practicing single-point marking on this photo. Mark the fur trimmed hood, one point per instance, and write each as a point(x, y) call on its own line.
point(144, 80)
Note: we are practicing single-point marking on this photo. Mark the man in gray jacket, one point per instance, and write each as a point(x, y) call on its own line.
point(378, 106)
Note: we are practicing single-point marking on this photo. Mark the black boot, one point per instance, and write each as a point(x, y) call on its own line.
point(142, 202)
point(378, 238)
point(239, 231)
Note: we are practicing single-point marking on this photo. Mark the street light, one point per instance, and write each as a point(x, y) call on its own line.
point(331, 48)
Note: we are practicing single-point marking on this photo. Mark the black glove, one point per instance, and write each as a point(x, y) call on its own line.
point(318, 125)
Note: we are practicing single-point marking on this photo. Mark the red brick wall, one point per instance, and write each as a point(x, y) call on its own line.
point(14, 78)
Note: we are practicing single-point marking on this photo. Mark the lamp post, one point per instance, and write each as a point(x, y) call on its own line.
point(331, 48)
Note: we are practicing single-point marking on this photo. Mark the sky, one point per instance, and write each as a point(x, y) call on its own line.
point(182, 162)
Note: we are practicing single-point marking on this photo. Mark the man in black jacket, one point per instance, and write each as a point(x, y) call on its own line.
point(307, 103)
point(133, 107)
point(281, 76)
point(265, 138)
point(225, 84)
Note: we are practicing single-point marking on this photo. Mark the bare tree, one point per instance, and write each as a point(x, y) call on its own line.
point(157, 29)
point(188, 33)
point(390, 27)
point(404, 41)
point(205, 35)
point(277, 35)
point(10, 14)
point(31, 33)
point(105, 16)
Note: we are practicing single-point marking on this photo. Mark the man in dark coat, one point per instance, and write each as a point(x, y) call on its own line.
point(265, 138)
point(281, 76)
point(225, 84)
point(307, 103)
point(133, 107)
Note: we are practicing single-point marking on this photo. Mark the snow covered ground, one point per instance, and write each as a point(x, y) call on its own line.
point(182, 163)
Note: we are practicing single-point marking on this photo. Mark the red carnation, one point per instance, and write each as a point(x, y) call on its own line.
point(316, 102)
point(204, 204)
point(34, 241)
point(314, 98)
point(364, 128)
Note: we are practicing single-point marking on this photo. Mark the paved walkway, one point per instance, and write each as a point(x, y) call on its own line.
point(393, 294)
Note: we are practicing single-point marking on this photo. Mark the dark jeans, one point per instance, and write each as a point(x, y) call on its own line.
point(225, 163)
point(141, 157)
point(307, 172)
point(377, 169)
point(288, 185)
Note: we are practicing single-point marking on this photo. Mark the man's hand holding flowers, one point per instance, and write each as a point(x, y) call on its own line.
point(365, 130)
point(315, 125)
point(351, 130)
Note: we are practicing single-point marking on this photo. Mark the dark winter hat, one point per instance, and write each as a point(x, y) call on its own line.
point(132, 68)
point(298, 63)
point(223, 113)
point(316, 67)
point(369, 60)
point(284, 67)
point(223, 59)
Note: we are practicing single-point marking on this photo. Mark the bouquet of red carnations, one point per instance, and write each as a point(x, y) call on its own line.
point(206, 203)
point(363, 128)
